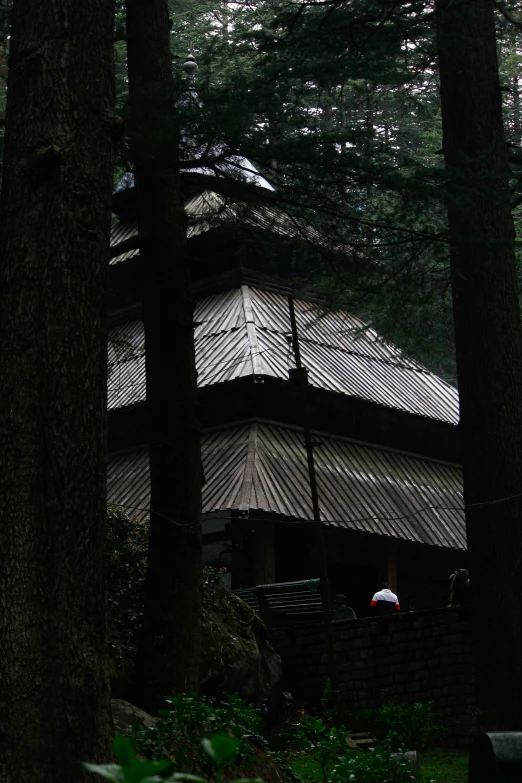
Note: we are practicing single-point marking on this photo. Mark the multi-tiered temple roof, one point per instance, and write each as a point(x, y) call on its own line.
point(386, 428)
point(258, 466)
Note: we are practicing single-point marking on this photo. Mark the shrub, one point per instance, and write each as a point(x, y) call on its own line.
point(403, 726)
point(407, 726)
point(311, 737)
point(127, 542)
point(376, 765)
point(179, 732)
point(219, 749)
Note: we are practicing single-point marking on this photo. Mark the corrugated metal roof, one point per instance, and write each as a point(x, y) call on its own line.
point(126, 365)
point(119, 233)
point(262, 467)
point(246, 331)
point(209, 209)
point(128, 482)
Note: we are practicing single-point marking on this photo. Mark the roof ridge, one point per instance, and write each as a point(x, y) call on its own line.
point(250, 323)
point(250, 466)
point(403, 366)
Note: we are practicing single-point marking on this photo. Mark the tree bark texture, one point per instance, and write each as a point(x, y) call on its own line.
point(55, 213)
point(169, 651)
point(488, 340)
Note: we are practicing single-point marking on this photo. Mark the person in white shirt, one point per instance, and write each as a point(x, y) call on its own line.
point(384, 601)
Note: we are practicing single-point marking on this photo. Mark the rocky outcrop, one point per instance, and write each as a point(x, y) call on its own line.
point(266, 764)
point(237, 657)
point(126, 716)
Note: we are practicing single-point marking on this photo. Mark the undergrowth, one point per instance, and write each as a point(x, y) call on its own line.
point(199, 741)
point(178, 733)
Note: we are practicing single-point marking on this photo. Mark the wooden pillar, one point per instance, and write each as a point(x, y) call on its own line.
point(265, 552)
point(389, 569)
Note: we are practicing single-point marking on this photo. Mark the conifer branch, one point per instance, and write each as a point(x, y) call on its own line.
point(507, 13)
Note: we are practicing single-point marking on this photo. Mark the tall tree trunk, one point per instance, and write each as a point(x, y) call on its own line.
point(488, 339)
point(55, 213)
point(5, 12)
point(169, 651)
point(517, 125)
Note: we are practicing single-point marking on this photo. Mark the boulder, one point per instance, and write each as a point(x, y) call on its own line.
point(411, 758)
point(125, 715)
point(237, 657)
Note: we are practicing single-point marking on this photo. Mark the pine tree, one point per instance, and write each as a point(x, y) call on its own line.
point(339, 106)
point(169, 650)
point(488, 338)
point(55, 212)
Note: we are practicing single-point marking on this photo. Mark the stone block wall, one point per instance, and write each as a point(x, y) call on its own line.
point(416, 656)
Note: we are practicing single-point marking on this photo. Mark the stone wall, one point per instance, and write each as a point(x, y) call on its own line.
point(416, 656)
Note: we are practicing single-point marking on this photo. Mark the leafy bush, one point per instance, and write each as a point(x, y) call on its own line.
point(127, 542)
point(179, 732)
point(410, 726)
point(311, 737)
point(403, 726)
point(376, 765)
point(219, 749)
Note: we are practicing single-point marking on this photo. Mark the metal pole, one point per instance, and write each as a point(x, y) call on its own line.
point(300, 374)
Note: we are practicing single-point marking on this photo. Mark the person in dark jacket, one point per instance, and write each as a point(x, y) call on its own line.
point(384, 601)
point(460, 587)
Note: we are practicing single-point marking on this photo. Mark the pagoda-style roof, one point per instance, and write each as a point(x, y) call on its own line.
point(209, 209)
point(259, 466)
point(245, 331)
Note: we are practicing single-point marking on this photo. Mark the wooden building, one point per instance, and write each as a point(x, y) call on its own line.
point(386, 433)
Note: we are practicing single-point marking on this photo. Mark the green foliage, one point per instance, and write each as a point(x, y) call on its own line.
point(127, 541)
point(403, 726)
point(338, 104)
point(130, 769)
point(442, 765)
point(326, 697)
point(306, 769)
point(312, 738)
point(373, 766)
point(409, 726)
point(220, 748)
point(179, 732)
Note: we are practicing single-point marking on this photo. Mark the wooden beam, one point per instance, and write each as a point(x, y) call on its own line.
point(265, 552)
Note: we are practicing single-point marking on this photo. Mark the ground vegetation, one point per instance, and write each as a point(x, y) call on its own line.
point(183, 737)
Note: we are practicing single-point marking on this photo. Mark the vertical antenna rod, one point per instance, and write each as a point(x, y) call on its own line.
point(300, 375)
